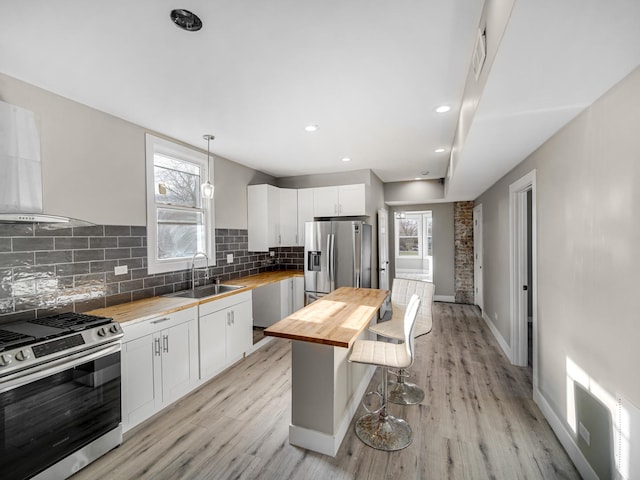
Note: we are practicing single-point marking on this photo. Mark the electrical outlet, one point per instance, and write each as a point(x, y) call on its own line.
point(272, 253)
point(584, 433)
point(121, 270)
point(229, 257)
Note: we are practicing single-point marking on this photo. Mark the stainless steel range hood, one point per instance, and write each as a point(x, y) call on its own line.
point(21, 170)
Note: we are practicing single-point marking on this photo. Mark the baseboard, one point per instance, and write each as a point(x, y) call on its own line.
point(444, 298)
point(565, 437)
point(496, 333)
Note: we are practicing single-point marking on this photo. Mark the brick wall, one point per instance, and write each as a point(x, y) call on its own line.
point(45, 271)
point(463, 234)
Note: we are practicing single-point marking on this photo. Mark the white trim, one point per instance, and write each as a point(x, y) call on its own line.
point(323, 442)
point(478, 257)
point(444, 298)
point(496, 333)
point(155, 145)
point(518, 270)
point(566, 438)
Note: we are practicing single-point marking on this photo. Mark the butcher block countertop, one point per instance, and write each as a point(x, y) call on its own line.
point(152, 307)
point(335, 319)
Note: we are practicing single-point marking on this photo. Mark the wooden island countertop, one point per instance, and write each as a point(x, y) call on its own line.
point(335, 319)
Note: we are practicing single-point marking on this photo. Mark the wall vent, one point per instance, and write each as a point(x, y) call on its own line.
point(479, 53)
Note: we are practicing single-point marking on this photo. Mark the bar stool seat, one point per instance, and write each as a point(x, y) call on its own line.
point(377, 428)
point(401, 391)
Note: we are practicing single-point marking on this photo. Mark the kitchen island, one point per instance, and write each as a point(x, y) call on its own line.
point(325, 388)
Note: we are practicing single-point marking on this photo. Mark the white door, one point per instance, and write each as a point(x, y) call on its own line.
point(177, 375)
point(477, 256)
point(383, 254)
point(239, 336)
point(138, 393)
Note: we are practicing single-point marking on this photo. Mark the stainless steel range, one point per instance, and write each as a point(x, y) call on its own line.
point(60, 404)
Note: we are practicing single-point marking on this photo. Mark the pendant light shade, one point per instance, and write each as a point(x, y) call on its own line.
point(206, 189)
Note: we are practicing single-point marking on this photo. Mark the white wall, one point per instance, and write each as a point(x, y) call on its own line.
point(93, 164)
point(588, 235)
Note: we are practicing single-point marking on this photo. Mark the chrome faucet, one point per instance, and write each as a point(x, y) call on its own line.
point(193, 268)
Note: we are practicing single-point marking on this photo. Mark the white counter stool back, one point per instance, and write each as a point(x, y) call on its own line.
point(377, 428)
point(402, 289)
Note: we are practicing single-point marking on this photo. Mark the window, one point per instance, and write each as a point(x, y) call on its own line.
point(179, 220)
point(409, 236)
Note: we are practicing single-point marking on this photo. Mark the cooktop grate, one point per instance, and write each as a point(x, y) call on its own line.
point(71, 320)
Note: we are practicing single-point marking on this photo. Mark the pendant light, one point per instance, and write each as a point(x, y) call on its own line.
point(207, 187)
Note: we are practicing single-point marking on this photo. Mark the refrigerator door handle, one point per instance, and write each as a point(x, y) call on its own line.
point(357, 258)
point(332, 260)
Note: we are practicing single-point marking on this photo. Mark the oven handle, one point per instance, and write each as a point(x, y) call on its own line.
point(25, 377)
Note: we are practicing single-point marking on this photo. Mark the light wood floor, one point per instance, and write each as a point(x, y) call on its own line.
point(477, 421)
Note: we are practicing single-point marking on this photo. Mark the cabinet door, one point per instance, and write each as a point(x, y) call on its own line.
point(305, 211)
point(213, 343)
point(239, 331)
point(352, 200)
point(288, 214)
point(325, 202)
point(286, 297)
point(178, 375)
point(298, 293)
point(263, 203)
point(138, 389)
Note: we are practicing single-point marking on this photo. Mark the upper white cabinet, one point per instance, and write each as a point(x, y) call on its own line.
point(305, 211)
point(288, 221)
point(272, 217)
point(339, 201)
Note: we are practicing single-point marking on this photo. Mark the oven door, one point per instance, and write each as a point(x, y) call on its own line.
point(49, 413)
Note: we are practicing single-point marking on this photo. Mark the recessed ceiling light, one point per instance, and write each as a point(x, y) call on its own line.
point(186, 20)
point(443, 108)
point(346, 159)
point(439, 150)
point(311, 128)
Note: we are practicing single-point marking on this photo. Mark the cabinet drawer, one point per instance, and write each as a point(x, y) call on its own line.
point(139, 329)
point(222, 303)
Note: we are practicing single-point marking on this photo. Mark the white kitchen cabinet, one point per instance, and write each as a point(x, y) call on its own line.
point(225, 332)
point(263, 203)
point(159, 363)
point(291, 295)
point(288, 218)
point(298, 293)
point(305, 211)
point(272, 217)
point(339, 201)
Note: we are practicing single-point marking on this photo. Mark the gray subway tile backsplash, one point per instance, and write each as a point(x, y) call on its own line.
point(46, 270)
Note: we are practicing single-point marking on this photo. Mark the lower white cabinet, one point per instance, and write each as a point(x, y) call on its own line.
point(225, 332)
point(159, 363)
point(277, 300)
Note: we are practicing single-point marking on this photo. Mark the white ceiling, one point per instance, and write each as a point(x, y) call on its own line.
point(369, 73)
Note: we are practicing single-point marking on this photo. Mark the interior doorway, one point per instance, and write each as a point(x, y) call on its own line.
point(522, 219)
point(413, 242)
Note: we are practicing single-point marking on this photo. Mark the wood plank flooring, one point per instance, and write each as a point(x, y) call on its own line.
point(478, 421)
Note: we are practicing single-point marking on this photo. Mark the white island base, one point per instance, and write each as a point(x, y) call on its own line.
point(326, 391)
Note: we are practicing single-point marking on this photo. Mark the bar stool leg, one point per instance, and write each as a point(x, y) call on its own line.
point(382, 431)
point(403, 393)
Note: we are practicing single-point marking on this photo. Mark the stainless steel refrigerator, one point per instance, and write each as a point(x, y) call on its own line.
point(336, 254)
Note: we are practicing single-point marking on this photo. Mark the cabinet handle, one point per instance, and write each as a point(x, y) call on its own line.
point(228, 318)
point(165, 343)
point(160, 320)
point(233, 317)
point(156, 342)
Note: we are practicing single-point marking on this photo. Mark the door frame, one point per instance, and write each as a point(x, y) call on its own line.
point(383, 268)
point(518, 269)
point(478, 253)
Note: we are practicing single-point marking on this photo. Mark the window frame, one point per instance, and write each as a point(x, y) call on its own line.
point(409, 216)
point(153, 145)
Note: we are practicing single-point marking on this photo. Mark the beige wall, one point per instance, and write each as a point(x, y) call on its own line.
point(94, 164)
point(587, 238)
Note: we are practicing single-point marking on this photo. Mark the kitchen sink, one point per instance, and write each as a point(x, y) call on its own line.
point(206, 291)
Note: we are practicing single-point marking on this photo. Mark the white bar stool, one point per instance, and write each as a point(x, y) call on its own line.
point(377, 428)
point(401, 391)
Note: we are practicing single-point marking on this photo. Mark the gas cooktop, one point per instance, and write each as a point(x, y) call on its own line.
point(17, 334)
